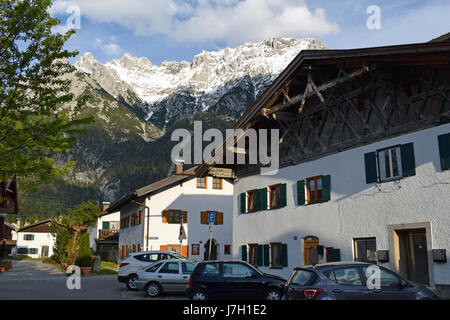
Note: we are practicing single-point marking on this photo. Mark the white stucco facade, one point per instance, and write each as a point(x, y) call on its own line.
point(356, 209)
point(185, 197)
point(40, 240)
point(113, 217)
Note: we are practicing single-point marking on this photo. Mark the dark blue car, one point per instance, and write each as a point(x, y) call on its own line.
point(352, 281)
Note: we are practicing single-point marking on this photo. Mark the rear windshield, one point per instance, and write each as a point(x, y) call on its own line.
point(303, 277)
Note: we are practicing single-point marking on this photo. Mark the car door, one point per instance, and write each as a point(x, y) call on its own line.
point(347, 283)
point(169, 276)
point(241, 281)
point(209, 277)
point(390, 287)
point(186, 270)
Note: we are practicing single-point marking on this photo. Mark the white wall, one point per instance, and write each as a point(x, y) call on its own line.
point(40, 239)
point(186, 197)
point(356, 209)
point(93, 231)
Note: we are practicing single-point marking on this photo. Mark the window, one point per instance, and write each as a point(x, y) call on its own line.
point(195, 249)
point(33, 251)
point(387, 279)
point(227, 249)
point(237, 270)
point(175, 248)
point(28, 237)
point(154, 267)
point(170, 267)
point(201, 183)
point(251, 205)
point(253, 254)
point(140, 217)
point(275, 255)
point(114, 225)
point(389, 163)
point(174, 216)
point(187, 267)
point(147, 257)
point(345, 276)
point(22, 251)
point(314, 190)
point(217, 183)
point(444, 150)
point(274, 196)
point(209, 269)
point(365, 249)
point(304, 278)
point(125, 222)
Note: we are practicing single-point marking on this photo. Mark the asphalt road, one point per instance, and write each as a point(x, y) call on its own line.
point(34, 280)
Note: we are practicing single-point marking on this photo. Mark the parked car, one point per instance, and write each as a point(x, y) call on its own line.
point(352, 281)
point(218, 280)
point(165, 276)
point(138, 261)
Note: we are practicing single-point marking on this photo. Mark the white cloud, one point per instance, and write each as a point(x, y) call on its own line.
point(110, 49)
point(232, 21)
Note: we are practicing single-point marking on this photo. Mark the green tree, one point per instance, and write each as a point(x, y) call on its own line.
point(63, 243)
point(34, 87)
point(84, 256)
point(84, 214)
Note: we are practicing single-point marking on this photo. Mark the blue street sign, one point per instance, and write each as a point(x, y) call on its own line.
point(211, 217)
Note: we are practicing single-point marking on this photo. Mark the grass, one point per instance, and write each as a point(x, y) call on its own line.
point(26, 259)
point(108, 268)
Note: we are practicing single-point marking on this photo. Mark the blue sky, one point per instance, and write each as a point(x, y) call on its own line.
point(179, 29)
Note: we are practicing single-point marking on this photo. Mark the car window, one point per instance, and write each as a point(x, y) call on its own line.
point(304, 277)
point(148, 257)
point(387, 279)
point(166, 256)
point(170, 267)
point(347, 276)
point(237, 270)
point(187, 267)
point(154, 267)
point(209, 269)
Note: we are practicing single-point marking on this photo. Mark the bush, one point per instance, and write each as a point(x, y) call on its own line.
point(84, 256)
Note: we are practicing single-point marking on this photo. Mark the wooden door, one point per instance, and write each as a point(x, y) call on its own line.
point(310, 253)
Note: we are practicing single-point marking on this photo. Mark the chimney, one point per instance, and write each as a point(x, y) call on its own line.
point(179, 164)
point(105, 206)
point(19, 222)
point(60, 219)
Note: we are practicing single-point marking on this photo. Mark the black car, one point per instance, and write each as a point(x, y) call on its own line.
point(352, 281)
point(237, 280)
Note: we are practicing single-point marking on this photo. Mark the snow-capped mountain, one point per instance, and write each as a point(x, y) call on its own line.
point(176, 89)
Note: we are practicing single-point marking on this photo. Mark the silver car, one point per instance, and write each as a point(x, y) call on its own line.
point(165, 276)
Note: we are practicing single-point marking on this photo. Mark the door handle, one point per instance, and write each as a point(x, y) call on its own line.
point(337, 290)
point(159, 276)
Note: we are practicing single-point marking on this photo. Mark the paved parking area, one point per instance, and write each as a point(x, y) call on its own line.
point(34, 280)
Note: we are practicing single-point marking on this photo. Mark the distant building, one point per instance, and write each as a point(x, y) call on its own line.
point(35, 240)
point(9, 238)
point(151, 218)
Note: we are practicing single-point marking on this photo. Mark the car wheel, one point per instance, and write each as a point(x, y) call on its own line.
point(199, 295)
point(273, 294)
point(131, 282)
point(153, 289)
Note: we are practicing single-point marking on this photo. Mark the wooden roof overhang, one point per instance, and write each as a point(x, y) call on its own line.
point(336, 67)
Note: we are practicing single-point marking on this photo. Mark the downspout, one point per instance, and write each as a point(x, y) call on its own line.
point(148, 222)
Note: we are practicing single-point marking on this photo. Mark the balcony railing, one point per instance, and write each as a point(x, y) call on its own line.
point(105, 234)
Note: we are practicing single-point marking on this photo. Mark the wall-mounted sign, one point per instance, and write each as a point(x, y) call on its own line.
point(211, 217)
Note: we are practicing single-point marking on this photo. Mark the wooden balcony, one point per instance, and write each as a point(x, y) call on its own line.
point(107, 234)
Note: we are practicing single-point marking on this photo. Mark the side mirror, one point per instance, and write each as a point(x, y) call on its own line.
point(403, 284)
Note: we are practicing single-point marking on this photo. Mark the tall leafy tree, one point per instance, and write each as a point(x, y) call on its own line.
point(35, 122)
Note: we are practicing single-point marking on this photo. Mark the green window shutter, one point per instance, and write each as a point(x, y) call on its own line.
point(263, 199)
point(266, 255)
point(243, 203)
point(259, 255)
point(301, 198)
point(326, 188)
point(370, 160)
point(258, 200)
point(105, 225)
point(284, 255)
point(244, 252)
point(283, 200)
point(408, 161)
point(444, 151)
point(335, 255)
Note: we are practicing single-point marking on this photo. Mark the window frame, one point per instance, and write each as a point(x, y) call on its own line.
point(220, 185)
point(251, 194)
point(316, 193)
point(199, 186)
point(227, 249)
point(399, 163)
point(253, 254)
point(26, 235)
point(355, 249)
point(276, 188)
point(274, 264)
point(193, 251)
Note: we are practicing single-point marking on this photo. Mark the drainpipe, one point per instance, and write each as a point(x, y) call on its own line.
point(148, 222)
